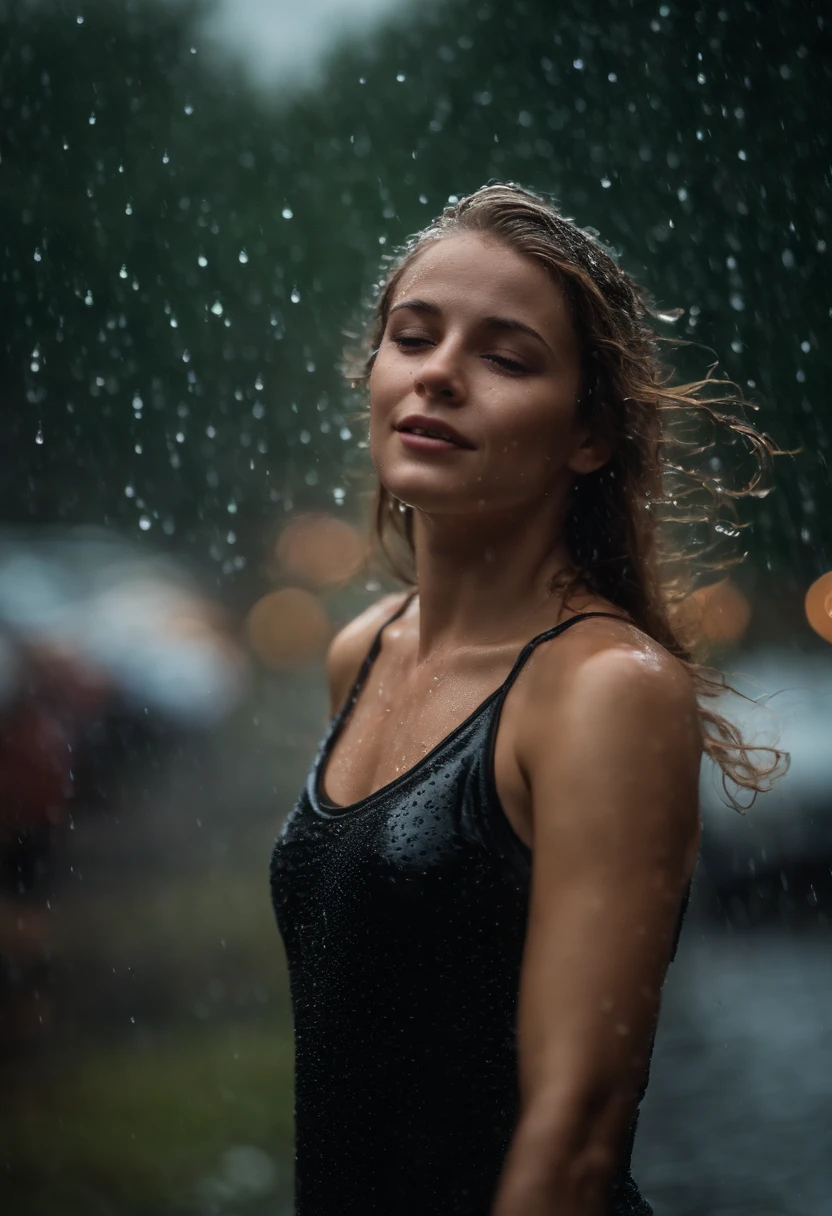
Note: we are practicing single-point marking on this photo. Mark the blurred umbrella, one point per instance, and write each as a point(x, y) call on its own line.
point(132, 620)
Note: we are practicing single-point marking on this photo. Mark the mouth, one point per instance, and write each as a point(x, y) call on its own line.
point(433, 431)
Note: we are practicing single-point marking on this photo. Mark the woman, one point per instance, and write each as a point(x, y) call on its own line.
point(483, 882)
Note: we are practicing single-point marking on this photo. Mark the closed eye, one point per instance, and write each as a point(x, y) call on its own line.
point(410, 342)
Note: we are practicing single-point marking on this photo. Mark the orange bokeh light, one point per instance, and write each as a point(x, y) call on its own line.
point(288, 627)
point(719, 613)
point(819, 606)
point(320, 550)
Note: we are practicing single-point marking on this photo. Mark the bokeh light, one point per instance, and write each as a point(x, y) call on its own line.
point(288, 627)
point(819, 606)
point(320, 550)
point(718, 613)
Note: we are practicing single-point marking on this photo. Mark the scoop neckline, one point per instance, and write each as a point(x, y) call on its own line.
point(333, 810)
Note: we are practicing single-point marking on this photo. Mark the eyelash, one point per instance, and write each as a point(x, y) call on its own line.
point(509, 365)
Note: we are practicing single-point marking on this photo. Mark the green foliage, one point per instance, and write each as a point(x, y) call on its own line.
point(692, 137)
point(139, 1131)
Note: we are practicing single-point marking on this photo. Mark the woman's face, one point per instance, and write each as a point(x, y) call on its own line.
point(478, 338)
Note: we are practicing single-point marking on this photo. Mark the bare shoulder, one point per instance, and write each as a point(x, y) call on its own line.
point(349, 647)
point(610, 725)
point(609, 677)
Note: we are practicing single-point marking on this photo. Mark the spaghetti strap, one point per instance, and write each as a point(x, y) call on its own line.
point(546, 636)
point(370, 658)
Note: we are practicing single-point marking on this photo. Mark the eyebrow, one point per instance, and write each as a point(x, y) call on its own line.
point(504, 323)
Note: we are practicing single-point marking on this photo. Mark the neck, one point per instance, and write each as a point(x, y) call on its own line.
point(486, 580)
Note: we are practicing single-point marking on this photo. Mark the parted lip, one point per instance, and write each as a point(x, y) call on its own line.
point(436, 425)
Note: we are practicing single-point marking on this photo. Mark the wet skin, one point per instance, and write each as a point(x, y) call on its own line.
point(597, 752)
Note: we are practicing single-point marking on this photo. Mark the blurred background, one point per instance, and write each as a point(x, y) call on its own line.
point(196, 197)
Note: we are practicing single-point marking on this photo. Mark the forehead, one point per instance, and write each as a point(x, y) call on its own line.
point(474, 275)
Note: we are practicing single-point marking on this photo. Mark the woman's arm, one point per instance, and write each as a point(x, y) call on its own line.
point(612, 760)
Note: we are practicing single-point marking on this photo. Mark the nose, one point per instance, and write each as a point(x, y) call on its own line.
point(440, 377)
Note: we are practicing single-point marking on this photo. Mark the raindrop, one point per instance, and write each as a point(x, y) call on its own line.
point(737, 302)
point(36, 255)
point(216, 308)
point(145, 522)
point(39, 435)
point(670, 315)
point(137, 402)
point(92, 119)
point(202, 260)
point(742, 155)
point(88, 298)
point(345, 433)
point(787, 258)
point(122, 274)
point(189, 109)
point(401, 77)
point(232, 508)
point(612, 78)
point(606, 183)
point(165, 157)
point(339, 494)
point(128, 210)
point(578, 64)
point(295, 296)
point(242, 256)
point(423, 198)
point(805, 347)
point(210, 432)
point(129, 492)
point(258, 383)
point(287, 213)
point(80, 20)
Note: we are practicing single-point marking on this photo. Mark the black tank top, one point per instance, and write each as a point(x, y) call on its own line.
point(403, 916)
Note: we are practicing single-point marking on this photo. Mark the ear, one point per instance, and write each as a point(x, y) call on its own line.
point(591, 454)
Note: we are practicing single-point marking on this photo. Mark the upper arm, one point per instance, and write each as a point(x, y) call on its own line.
point(613, 767)
point(349, 647)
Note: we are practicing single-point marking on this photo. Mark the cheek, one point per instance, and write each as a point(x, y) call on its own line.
point(539, 426)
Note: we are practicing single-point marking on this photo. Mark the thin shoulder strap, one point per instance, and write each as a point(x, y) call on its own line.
point(554, 632)
point(371, 656)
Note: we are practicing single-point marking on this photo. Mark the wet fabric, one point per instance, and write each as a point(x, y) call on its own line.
point(403, 916)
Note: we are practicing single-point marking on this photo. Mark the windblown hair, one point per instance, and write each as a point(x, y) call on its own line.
point(653, 488)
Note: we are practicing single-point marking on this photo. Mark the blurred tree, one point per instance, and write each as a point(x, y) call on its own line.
point(183, 250)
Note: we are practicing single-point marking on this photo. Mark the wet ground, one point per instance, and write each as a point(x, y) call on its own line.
point(738, 1117)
